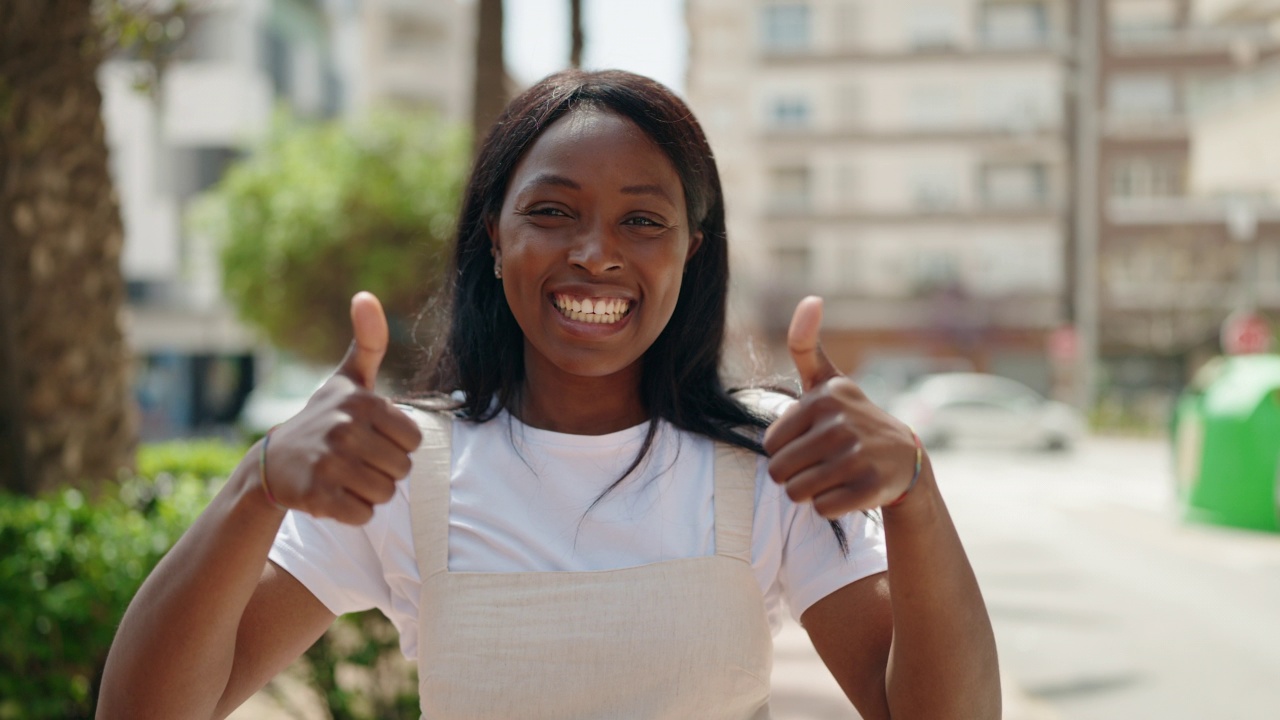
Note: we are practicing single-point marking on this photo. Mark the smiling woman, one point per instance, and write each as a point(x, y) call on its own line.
point(593, 526)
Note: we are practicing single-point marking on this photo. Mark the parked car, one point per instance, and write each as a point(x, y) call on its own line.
point(975, 408)
point(280, 396)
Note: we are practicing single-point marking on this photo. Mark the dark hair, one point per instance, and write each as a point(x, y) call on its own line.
point(483, 353)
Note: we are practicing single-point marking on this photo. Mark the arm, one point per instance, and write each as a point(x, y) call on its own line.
point(915, 642)
point(215, 620)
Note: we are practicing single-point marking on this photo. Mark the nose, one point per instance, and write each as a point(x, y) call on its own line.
point(596, 250)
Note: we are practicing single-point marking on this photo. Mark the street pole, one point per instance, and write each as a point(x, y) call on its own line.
point(1242, 226)
point(1086, 221)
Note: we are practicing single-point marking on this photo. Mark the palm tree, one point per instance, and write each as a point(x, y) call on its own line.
point(489, 90)
point(575, 33)
point(65, 413)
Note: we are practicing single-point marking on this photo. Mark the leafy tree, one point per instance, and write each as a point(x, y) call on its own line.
point(321, 211)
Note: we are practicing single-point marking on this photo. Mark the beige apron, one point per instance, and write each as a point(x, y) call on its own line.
point(677, 639)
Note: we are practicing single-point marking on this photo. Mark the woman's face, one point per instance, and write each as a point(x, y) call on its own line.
point(592, 239)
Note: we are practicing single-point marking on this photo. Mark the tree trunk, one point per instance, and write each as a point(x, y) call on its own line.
point(575, 33)
point(490, 87)
point(66, 416)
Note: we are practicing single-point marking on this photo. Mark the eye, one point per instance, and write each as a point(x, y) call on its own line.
point(547, 212)
point(642, 221)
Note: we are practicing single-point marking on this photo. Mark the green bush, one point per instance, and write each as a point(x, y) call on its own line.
point(69, 567)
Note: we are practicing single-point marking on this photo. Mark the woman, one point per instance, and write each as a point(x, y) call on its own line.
point(593, 526)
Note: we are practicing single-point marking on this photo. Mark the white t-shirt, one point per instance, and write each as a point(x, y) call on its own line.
point(519, 502)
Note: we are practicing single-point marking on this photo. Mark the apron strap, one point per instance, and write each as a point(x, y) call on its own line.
point(429, 492)
point(735, 500)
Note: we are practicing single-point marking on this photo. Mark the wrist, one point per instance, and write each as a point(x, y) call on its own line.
point(247, 484)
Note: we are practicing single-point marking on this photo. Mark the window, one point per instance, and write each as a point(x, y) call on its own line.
point(931, 27)
point(847, 185)
point(1014, 25)
point(933, 107)
point(1269, 264)
point(1142, 21)
point(789, 112)
point(849, 20)
point(1142, 95)
point(790, 188)
point(934, 190)
point(1013, 186)
point(1144, 177)
point(849, 104)
point(784, 27)
point(1016, 104)
point(933, 268)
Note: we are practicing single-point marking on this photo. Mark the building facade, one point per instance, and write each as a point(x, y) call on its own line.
point(907, 161)
point(237, 62)
point(1172, 250)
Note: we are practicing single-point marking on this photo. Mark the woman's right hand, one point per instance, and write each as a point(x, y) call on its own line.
point(344, 452)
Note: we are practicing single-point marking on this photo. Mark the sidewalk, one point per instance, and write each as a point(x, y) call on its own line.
point(803, 689)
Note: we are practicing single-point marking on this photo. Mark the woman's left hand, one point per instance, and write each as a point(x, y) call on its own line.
point(834, 447)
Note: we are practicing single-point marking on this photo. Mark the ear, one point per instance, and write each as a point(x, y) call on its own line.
point(491, 229)
point(695, 242)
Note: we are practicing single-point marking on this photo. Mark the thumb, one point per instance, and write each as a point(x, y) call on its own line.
point(806, 350)
point(369, 342)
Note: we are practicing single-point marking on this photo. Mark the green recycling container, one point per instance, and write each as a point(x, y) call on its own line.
point(1227, 443)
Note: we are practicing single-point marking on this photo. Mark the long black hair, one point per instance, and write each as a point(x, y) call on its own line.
point(483, 352)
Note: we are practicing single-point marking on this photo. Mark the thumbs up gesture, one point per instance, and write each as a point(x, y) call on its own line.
point(344, 452)
point(833, 447)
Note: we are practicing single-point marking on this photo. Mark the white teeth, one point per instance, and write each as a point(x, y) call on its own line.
point(599, 310)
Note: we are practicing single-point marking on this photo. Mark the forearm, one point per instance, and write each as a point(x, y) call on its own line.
point(175, 648)
point(942, 663)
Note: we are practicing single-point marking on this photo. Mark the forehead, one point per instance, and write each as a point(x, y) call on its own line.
point(596, 146)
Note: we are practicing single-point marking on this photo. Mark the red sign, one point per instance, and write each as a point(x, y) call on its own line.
point(1063, 344)
point(1245, 333)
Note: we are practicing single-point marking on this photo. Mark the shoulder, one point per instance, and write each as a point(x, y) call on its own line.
point(429, 416)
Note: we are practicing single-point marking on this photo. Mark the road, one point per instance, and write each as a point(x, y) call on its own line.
point(1105, 605)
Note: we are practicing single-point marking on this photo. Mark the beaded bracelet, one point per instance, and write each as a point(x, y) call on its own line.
point(262, 471)
point(915, 476)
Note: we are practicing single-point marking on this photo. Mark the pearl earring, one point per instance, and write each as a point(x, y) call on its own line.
point(497, 271)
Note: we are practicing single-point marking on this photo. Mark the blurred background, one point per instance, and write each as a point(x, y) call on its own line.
point(1047, 232)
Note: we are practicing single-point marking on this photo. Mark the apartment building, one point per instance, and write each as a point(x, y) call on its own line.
point(1170, 253)
point(908, 161)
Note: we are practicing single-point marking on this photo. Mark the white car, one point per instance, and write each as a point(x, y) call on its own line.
point(951, 409)
point(283, 394)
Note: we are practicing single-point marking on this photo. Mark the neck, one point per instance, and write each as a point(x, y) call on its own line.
point(575, 405)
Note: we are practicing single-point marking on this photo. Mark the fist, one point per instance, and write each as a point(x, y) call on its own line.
point(833, 447)
point(344, 452)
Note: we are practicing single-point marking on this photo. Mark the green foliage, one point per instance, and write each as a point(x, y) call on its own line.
point(69, 566)
point(321, 211)
point(359, 672)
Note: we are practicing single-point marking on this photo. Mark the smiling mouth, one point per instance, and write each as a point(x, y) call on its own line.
point(601, 311)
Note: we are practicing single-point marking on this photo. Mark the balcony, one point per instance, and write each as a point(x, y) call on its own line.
point(1049, 47)
point(850, 311)
point(1192, 40)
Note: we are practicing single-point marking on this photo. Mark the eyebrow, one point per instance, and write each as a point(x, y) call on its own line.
point(562, 181)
